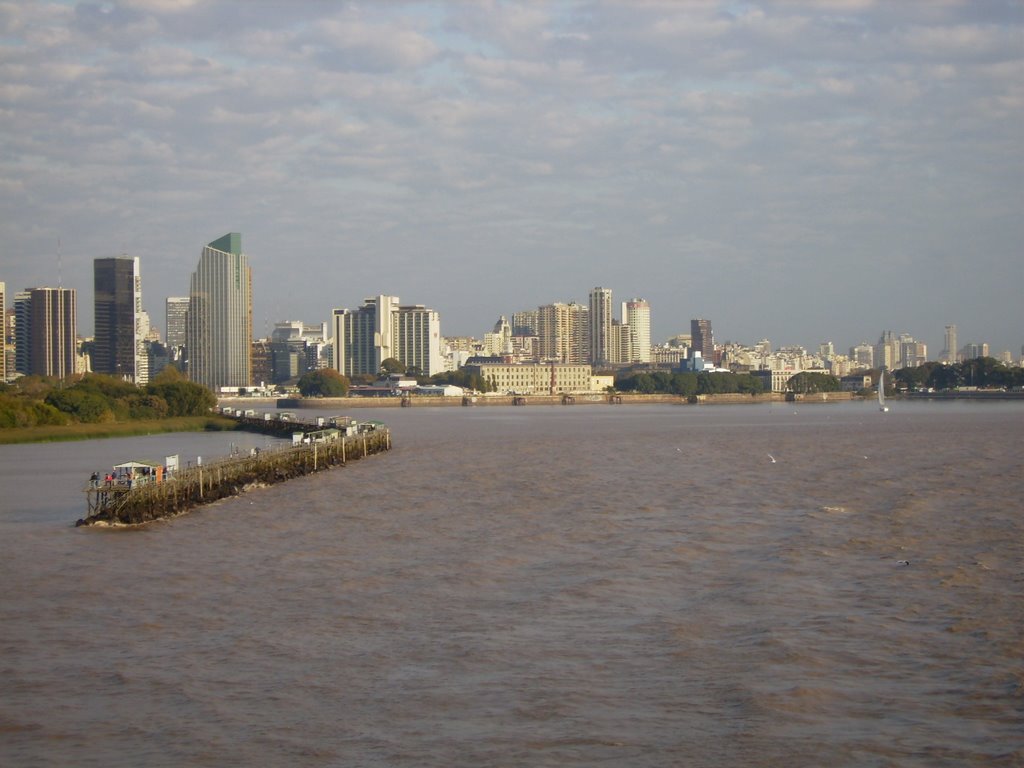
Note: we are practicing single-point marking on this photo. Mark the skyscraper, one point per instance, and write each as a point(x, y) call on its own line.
point(52, 332)
point(119, 345)
point(702, 339)
point(563, 331)
point(177, 321)
point(219, 326)
point(22, 332)
point(636, 313)
point(601, 326)
point(3, 332)
point(948, 354)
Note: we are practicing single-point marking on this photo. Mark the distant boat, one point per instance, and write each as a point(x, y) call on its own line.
point(881, 393)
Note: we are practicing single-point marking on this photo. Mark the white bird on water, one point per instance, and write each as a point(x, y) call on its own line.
point(772, 458)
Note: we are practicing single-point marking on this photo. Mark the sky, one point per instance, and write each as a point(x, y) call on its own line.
point(797, 171)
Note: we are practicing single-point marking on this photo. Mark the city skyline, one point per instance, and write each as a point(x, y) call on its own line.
point(789, 170)
point(870, 338)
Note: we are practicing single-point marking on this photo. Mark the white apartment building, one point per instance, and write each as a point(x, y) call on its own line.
point(636, 314)
point(383, 328)
point(563, 331)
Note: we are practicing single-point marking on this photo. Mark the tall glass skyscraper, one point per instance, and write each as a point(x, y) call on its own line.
point(3, 332)
point(701, 338)
point(119, 345)
point(177, 321)
point(52, 331)
point(219, 325)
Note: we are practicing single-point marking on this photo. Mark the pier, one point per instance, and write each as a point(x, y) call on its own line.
point(143, 493)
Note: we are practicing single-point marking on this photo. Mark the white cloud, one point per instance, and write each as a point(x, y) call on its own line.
point(530, 134)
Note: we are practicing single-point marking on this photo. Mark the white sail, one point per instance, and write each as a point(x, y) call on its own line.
point(881, 392)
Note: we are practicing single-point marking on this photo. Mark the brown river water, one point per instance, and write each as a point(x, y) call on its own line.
point(545, 586)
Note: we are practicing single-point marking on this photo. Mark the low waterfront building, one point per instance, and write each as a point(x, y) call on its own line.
point(775, 380)
point(535, 379)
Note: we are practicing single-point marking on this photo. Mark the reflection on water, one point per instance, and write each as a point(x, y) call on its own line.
point(537, 586)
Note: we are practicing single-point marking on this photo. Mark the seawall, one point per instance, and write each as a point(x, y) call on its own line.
point(342, 404)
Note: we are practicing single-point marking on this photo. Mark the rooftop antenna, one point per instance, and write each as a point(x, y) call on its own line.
point(60, 266)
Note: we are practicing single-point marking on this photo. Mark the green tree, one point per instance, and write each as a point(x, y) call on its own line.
point(81, 404)
point(645, 384)
point(147, 407)
point(325, 382)
point(684, 384)
point(35, 387)
point(392, 365)
point(810, 382)
point(463, 378)
point(108, 387)
point(19, 411)
point(183, 398)
point(944, 377)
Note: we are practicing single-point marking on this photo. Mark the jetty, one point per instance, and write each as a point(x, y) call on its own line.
point(140, 492)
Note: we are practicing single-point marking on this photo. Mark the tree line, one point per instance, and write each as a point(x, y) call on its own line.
point(689, 384)
point(981, 372)
point(94, 398)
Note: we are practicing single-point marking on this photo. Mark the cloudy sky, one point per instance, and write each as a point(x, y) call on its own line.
point(801, 171)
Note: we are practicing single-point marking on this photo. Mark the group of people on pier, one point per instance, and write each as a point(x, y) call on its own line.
point(128, 475)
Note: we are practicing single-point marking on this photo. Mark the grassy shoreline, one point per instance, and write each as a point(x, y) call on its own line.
point(53, 434)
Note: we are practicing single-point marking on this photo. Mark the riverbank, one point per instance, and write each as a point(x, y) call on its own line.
point(54, 433)
point(431, 401)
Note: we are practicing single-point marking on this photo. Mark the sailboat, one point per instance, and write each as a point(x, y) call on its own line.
point(881, 392)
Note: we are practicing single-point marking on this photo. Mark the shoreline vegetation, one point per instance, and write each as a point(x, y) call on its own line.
point(54, 433)
point(46, 409)
point(214, 423)
point(37, 409)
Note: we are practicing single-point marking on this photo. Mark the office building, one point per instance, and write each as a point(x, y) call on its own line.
point(47, 326)
point(176, 322)
point(22, 342)
point(703, 339)
point(120, 327)
point(383, 328)
point(601, 350)
point(972, 351)
point(949, 350)
point(3, 332)
point(219, 325)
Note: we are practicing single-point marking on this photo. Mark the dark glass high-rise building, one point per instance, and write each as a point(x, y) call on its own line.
point(51, 331)
point(118, 345)
point(701, 338)
point(177, 321)
point(3, 333)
